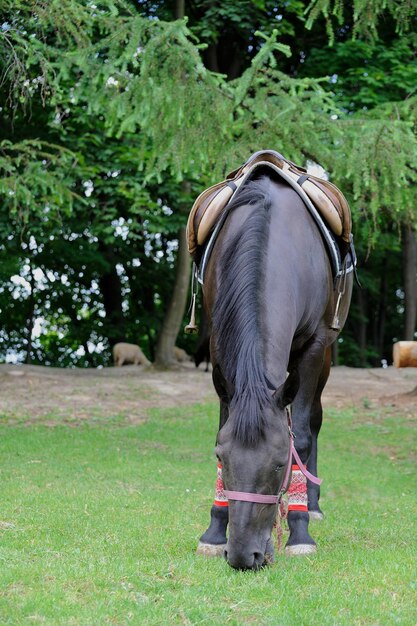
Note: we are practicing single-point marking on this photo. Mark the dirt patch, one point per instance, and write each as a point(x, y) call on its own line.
point(73, 395)
point(372, 388)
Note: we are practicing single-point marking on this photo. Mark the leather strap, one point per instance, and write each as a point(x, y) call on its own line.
point(303, 179)
point(244, 496)
point(303, 469)
point(261, 498)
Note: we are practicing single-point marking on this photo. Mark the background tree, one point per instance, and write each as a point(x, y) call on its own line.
point(376, 80)
point(107, 112)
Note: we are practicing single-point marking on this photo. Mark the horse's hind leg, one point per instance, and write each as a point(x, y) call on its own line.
point(310, 367)
point(316, 419)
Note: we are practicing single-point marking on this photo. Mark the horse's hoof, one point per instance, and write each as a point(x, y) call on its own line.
point(316, 516)
point(300, 549)
point(208, 549)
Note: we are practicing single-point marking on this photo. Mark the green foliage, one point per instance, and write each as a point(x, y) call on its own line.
point(211, 21)
point(36, 180)
point(374, 158)
point(135, 71)
point(365, 75)
point(107, 110)
point(367, 15)
point(379, 164)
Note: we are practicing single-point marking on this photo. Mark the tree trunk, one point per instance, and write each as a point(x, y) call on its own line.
point(382, 314)
point(212, 62)
point(164, 356)
point(87, 353)
point(31, 316)
point(111, 290)
point(179, 9)
point(410, 281)
point(362, 327)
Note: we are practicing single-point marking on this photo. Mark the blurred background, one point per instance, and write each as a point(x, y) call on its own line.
point(115, 115)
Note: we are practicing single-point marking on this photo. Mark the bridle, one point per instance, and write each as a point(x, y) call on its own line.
point(260, 498)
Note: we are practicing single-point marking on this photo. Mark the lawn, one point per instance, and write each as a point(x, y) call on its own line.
point(99, 523)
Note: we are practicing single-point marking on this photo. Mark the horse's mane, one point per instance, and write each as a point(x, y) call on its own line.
point(236, 313)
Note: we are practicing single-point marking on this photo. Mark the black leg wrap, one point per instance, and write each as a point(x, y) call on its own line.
point(216, 532)
point(299, 541)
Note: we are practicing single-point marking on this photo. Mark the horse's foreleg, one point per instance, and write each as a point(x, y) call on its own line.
point(315, 424)
point(213, 541)
point(310, 366)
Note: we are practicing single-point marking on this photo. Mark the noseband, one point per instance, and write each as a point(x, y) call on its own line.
point(260, 498)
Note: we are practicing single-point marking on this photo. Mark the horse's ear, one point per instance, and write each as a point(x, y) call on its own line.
point(223, 389)
point(285, 394)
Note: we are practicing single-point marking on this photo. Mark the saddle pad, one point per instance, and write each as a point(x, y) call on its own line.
point(325, 196)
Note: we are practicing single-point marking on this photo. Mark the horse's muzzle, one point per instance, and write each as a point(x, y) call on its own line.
point(245, 559)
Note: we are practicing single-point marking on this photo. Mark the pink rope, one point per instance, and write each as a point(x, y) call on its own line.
point(281, 518)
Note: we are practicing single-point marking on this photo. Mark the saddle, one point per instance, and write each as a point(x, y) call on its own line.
point(325, 197)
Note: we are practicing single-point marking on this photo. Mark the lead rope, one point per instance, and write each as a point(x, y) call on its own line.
point(281, 522)
point(282, 510)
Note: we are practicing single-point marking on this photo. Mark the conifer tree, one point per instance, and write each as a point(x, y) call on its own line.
point(71, 63)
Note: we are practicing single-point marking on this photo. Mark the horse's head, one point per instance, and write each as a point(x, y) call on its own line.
point(255, 468)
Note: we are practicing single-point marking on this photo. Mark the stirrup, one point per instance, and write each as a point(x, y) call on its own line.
point(192, 328)
point(341, 288)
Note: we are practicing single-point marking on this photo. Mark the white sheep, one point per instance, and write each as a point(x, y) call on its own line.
point(128, 353)
point(180, 355)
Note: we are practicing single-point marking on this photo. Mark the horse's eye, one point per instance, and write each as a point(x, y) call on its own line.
point(279, 468)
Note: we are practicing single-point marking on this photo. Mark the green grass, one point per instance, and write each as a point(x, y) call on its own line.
point(99, 525)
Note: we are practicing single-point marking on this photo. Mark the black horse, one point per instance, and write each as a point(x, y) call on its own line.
point(270, 298)
point(202, 353)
